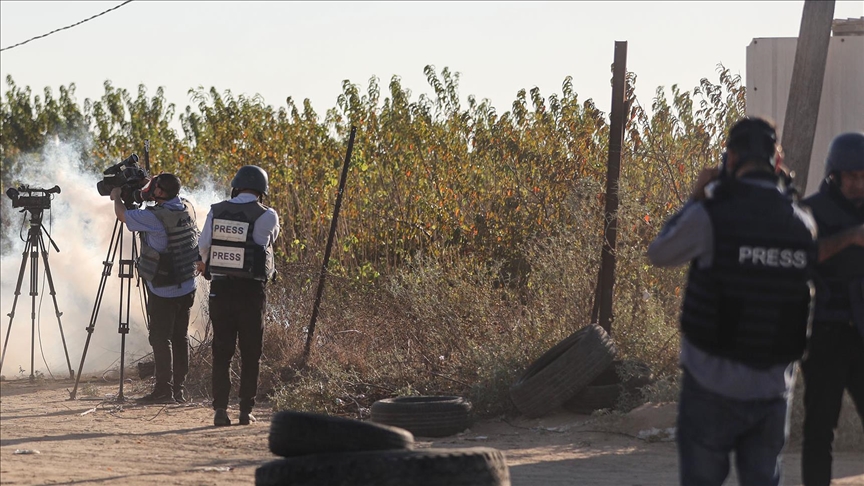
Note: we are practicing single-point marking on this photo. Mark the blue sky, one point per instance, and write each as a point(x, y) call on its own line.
point(306, 49)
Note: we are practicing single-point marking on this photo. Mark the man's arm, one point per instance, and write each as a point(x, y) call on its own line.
point(205, 239)
point(686, 236)
point(119, 208)
point(266, 228)
point(834, 244)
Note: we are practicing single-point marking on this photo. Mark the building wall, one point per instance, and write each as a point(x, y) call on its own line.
point(841, 109)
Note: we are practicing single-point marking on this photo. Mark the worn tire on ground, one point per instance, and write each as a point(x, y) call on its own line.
point(301, 433)
point(563, 371)
point(424, 416)
point(478, 466)
point(605, 391)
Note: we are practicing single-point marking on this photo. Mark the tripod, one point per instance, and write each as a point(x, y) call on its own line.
point(34, 246)
point(126, 273)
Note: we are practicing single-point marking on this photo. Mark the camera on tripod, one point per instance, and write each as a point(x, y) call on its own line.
point(31, 198)
point(130, 178)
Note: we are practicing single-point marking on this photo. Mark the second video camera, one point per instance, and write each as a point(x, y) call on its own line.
point(31, 198)
point(129, 177)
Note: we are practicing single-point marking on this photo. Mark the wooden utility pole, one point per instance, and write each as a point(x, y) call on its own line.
point(606, 280)
point(805, 90)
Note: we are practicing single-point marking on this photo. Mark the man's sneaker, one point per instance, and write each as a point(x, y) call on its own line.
point(158, 396)
point(221, 418)
point(180, 396)
point(246, 418)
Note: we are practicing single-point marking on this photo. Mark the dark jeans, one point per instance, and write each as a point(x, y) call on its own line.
point(169, 324)
point(711, 427)
point(237, 311)
point(834, 362)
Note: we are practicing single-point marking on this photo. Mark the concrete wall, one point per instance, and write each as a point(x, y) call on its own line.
point(841, 109)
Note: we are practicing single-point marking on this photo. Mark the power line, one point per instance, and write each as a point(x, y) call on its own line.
point(64, 28)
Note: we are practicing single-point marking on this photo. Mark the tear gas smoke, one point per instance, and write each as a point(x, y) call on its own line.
point(81, 223)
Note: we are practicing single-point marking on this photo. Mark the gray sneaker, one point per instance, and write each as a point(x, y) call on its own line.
point(180, 396)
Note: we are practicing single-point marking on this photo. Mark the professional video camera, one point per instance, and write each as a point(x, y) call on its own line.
point(130, 177)
point(34, 199)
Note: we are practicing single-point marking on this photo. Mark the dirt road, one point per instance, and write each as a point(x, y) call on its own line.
point(94, 441)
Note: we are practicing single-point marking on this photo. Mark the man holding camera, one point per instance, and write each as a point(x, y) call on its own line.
point(237, 248)
point(835, 356)
point(169, 252)
point(746, 309)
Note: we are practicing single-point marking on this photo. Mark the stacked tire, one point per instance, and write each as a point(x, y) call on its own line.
point(424, 416)
point(322, 450)
point(563, 371)
point(621, 382)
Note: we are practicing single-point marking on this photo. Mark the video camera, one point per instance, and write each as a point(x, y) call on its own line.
point(34, 199)
point(130, 177)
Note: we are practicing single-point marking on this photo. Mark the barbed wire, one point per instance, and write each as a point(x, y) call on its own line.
point(64, 28)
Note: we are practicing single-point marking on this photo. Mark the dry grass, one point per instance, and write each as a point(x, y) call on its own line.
point(445, 326)
point(450, 326)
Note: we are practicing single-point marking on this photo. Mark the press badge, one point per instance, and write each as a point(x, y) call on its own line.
point(226, 256)
point(227, 230)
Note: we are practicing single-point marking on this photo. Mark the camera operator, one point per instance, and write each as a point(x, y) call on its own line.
point(237, 246)
point(835, 356)
point(169, 252)
point(745, 312)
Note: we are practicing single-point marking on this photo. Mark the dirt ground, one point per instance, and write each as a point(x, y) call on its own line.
point(95, 440)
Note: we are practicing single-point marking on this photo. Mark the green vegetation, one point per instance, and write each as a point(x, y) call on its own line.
point(468, 241)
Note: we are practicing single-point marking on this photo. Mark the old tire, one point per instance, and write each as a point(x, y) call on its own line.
point(424, 416)
point(563, 371)
point(605, 391)
point(301, 433)
point(479, 466)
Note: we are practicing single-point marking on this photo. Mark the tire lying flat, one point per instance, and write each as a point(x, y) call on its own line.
point(302, 433)
point(479, 466)
point(424, 416)
point(563, 371)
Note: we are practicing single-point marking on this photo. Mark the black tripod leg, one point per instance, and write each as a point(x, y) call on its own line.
point(107, 264)
point(56, 308)
point(34, 291)
point(15, 301)
point(125, 273)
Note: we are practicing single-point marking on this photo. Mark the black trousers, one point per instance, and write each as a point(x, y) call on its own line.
point(834, 362)
point(169, 325)
point(237, 311)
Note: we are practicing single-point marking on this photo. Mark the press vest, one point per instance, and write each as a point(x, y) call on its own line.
point(754, 304)
point(836, 277)
point(176, 264)
point(233, 251)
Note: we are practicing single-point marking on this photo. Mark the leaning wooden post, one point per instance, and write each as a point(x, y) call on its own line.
point(805, 90)
point(330, 239)
point(613, 171)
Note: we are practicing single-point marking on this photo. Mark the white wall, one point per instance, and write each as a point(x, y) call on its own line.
point(841, 109)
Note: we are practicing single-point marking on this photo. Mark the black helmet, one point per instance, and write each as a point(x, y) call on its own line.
point(753, 138)
point(250, 177)
point(846, 153)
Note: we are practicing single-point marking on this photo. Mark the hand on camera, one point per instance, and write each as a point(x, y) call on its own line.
point(115, 194)
point(706, 175)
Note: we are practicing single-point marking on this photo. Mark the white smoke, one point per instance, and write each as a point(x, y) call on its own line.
point(82, 224)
